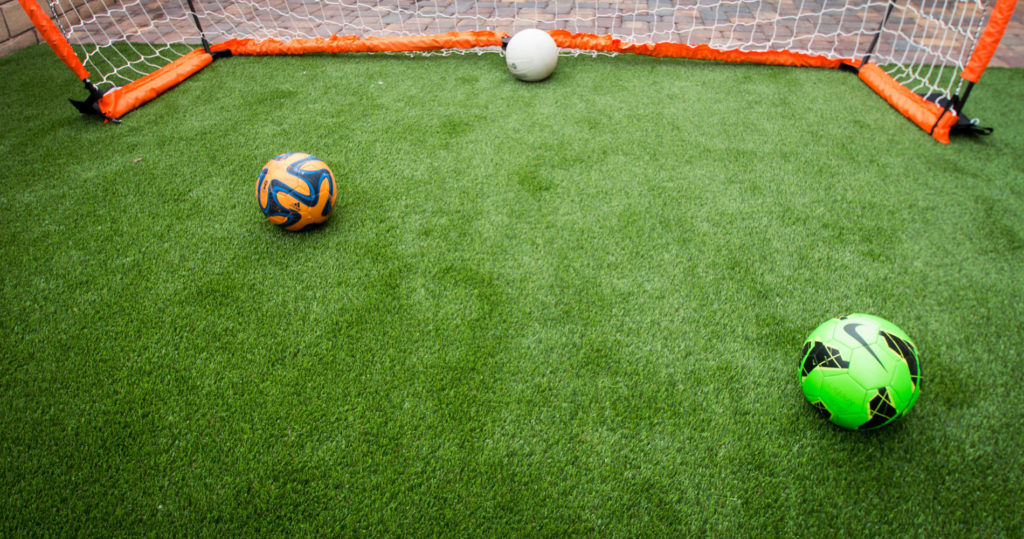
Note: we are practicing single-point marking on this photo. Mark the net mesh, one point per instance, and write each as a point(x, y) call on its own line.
point(924, 44)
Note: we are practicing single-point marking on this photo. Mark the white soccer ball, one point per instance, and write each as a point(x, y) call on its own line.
point(531, 55)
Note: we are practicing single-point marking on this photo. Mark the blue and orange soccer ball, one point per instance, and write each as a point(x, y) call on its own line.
point(296, 190)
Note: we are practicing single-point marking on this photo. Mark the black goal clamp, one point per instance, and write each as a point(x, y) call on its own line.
point(963, 124)
point(91, 105)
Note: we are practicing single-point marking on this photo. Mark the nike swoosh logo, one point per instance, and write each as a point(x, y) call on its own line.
point(851, 330)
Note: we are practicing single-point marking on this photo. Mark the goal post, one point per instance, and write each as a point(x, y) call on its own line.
point(922, 56)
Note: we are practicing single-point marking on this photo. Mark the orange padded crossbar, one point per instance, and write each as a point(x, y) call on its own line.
point(469, 40)
point(989, 40)
point(121, 101)
point(338, 44)
point(927, 115)
point(607, 43)
point(54, 38)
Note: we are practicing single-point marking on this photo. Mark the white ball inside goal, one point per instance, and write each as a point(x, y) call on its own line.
point(531, 55)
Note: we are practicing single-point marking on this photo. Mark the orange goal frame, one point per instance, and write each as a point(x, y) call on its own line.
point(934, 117)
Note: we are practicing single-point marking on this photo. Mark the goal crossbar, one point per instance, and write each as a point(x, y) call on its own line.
point(922, 56)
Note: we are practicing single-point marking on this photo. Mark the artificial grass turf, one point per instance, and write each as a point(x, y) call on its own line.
point(572, 307)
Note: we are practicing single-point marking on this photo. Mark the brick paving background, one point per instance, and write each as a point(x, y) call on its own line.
point(1011, 48)
point(16, 30)
point(430, 16)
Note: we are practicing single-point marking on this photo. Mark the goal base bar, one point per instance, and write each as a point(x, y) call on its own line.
point(354, 44)
point(927, 115)
point(117, 102)
point(121, 100)
point(606, 43)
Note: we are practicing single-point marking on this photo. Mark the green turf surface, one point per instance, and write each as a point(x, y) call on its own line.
point(573, 307)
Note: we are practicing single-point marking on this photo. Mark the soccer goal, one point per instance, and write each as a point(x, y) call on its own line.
point(922, 56)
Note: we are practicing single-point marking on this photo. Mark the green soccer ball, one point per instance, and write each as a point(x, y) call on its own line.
point(860, 371)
